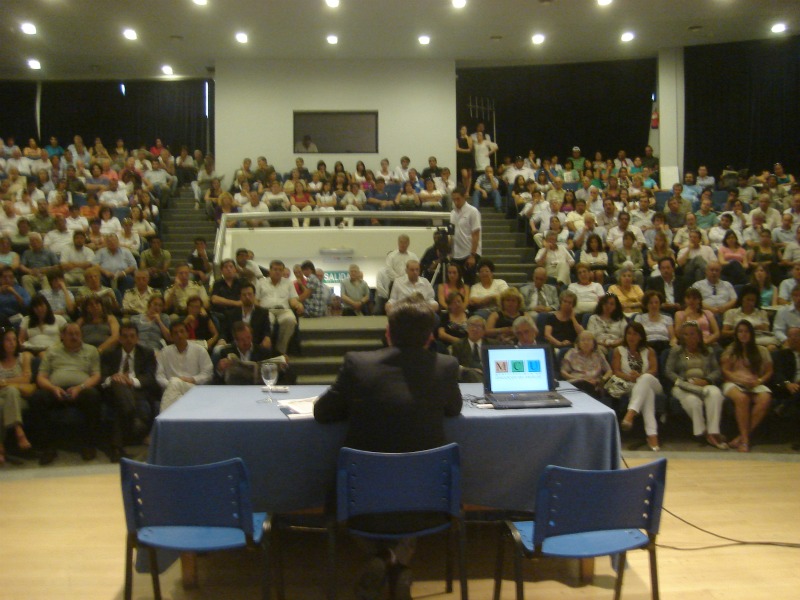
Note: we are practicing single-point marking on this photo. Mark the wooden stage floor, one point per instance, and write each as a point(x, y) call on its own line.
point(63, 538)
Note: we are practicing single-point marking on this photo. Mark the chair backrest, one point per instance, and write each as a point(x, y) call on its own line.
point(574, 501)
point(376, 483)
point(212, 495)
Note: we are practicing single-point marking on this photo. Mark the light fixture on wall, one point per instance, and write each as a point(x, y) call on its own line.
point(130, 34)
point(166, 70)
point(200, 2)
point(627, 36)
point(28, 28)
point(241, 37)
point(779, 28)
point(538, 38)
point(603, 2)
point(34, 64)
point(459, 3)
point(424, 40)
point(332, 39)
point(332, 3)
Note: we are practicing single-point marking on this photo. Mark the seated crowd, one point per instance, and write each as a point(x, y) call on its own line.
point(619, 289)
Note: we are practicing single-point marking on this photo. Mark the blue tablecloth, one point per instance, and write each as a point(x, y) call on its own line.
point(292, 462)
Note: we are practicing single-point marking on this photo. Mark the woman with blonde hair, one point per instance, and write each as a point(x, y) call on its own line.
point(499, 325)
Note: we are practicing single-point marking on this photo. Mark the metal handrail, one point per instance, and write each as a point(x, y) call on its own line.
point(286, 215)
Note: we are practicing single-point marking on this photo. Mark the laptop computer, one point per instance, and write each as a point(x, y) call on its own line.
point(520, 377)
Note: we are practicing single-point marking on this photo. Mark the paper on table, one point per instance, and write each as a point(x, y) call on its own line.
point(299, 408)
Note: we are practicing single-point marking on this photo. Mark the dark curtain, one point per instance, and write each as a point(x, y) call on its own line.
point(602, 106)
point(18, 112)
point(171, 110)
point(743, 105)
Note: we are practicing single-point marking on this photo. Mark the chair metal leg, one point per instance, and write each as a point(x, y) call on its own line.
point(332, 560)
point(621, 563)
point(277, 554)
point(266, 581)
point(498, 568)
point(448, 564)
point(462, 559)
point(651, 550)
point(129, 567)
point(153, 555)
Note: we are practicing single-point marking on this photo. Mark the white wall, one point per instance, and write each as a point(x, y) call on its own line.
point(255, 100)
point(671, 101)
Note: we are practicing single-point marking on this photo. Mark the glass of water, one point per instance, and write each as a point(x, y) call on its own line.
point(269, 373)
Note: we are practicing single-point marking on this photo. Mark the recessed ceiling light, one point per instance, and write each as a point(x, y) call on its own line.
point(332, 3)
point(459, 3)
point(627, 36)
point(332, 39)
point(34, 64)
point(779, 28)
point(604, 2)
point(130, 34)
point(538, 38)
point(424, 40)
point(241, 37)
point(166, 70)
point(200, 2)
point(28, 28)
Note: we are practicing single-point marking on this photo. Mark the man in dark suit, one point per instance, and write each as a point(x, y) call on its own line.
point(128, 373)
point(786, 378)
point(396, 400)
point(468, 351)
point(245, 348)
point(672, 289)
point(253, 315)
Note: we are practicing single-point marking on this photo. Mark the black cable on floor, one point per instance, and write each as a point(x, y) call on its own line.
point(733, 541)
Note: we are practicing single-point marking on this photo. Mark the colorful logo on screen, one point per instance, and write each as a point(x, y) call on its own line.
point(517, 366)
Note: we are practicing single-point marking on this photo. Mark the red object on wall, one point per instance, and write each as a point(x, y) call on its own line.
point(654, 120)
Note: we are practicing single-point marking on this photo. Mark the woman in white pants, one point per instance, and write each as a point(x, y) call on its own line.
point(635, 369)
point(694, 371)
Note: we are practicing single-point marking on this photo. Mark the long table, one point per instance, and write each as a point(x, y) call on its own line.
point(292, 461)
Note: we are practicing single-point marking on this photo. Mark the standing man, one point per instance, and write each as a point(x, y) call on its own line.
point(465, 227)
point(128, 376)
point(181, 366)
point(396, 400)
point(68, 376)
point(279, 297)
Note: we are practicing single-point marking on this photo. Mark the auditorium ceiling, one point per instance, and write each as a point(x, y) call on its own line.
point(84, 38)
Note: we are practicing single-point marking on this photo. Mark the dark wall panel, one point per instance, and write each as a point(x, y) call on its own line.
point(743, 105)
point(550, 108)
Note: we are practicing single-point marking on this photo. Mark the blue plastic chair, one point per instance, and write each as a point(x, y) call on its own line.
point(584, 514)
point(201, 508)
point(414, 493)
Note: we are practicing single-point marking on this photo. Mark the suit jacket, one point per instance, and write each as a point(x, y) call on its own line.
point(394, 398)
point(469, 371)
point(259, 321)
point(657, 284)
point(785, 369)
point(529, 292)
point(144, 367)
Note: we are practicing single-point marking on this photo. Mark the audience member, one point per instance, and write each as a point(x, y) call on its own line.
point(468, 351)
point(153, 325)
point(15, 370)
point(561, 327)
point(585, 366)
point(128, 376)
point(181, 366)
point(278, 295)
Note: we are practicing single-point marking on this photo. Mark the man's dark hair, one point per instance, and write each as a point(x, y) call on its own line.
point(307, 264)
point(242, 251)
point(247, 285)
point(411, 324)
point(272, 263)
point(239, 327)
point(199, 239)
point(667, 258)
point(459, 189)
point(129, 325)
point(226, 261)
point(175, 325)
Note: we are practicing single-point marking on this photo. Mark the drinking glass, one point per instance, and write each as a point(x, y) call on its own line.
point(269, 373)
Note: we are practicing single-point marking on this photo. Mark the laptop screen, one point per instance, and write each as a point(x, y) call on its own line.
point(512, 370)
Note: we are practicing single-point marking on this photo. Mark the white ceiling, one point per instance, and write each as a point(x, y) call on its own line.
point(83, 38)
